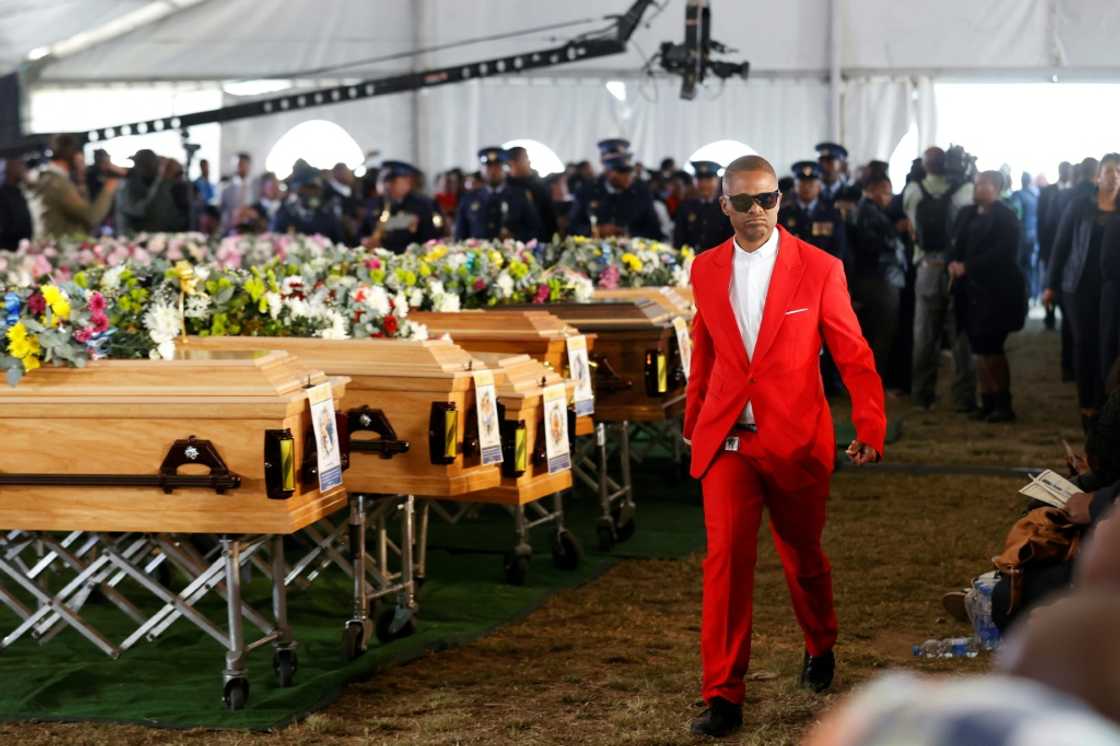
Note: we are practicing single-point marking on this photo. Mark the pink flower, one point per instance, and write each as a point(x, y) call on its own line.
point(37, 304)
point(480, 284)
point(542, 293)
point(373, 263)
point(100, 321)
point(142, 257)
point(96, 302)
point(610, 277)
point(41, 267)
point(83, 335)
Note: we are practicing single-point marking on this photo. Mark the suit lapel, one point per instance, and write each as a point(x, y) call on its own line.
point(720, 291)
point(788, 269)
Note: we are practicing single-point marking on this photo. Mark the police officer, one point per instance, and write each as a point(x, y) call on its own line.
point(497, 210)
point(521, 174)
point(811, 218)
point(308, 209)
point(700, 222)
point(616, 204)
point(833, 160)
point(400, 216)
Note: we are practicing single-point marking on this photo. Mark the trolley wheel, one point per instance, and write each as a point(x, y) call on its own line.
point(566, 551)
point(385, 631)
point(284, 665)
point(516, 568)
point(624, 531)
point(606, 537)
point(353, 640)
point(236, 693)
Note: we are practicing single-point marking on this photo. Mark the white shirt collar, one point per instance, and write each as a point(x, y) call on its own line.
point(765, 251)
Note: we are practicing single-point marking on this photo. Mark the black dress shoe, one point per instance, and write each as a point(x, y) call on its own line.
point(722, 718)
point(816, 673)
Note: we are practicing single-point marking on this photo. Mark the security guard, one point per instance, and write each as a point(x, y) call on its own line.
point(833, 159)
point(809, 217)
point(307, 209)
point(399, 216)
point(616, 204)
point(700, 222)
point(498, 210)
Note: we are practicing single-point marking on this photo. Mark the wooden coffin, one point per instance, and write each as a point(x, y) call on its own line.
point(519, 382)
point(669, 299)
point(535, 333)
point(639, 375)
point(88, 448)
point(425, 391)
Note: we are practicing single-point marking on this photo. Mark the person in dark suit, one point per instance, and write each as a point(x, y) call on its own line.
point(15, 215)
point(522, 175)
point(309, 209)
point(1083, 182)
point(811, 218)
point(497, 210)
point(833, 160)
point(1075, 273)
point(700, 222)
point(616, 204)
point(990, 289)
point(877, 272)
point(398, 216)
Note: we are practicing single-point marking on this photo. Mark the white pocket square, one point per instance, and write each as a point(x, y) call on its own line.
point(796, 310)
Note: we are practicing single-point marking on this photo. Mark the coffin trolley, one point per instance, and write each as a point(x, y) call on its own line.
point(109, 470)
point(520, 383)
point(639, 383)
point(409, 405)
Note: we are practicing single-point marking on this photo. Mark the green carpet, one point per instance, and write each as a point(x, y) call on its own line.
point(176, 681)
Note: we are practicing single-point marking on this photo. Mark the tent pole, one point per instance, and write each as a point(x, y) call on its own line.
point(834, 81)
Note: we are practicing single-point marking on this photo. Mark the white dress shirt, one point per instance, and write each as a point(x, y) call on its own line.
point(750, 280)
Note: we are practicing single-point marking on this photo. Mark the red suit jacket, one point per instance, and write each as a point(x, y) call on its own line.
point(807, 300)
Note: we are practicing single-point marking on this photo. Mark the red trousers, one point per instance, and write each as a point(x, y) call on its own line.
point(736, 488)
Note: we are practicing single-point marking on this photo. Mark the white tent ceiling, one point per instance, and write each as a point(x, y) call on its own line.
point(237, 39)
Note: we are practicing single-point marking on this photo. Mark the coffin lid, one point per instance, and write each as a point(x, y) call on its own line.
point(617, 313)
point(520, 375)
point(401, 358)
point(507, 324)
point(668, 298)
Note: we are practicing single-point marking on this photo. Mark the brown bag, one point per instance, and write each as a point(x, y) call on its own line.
point(1042, 535)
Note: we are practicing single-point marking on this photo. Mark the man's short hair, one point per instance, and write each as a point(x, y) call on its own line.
point(875, 180)
point(244, 156)
point(516, 152)
point(63, 147)
point(747, 163)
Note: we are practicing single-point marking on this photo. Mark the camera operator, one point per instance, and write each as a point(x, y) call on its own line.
point(146, 203)
point(65, 212)
point(931, 201)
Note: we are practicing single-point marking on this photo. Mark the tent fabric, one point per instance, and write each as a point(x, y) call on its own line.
point(234, 39)
point(884, 101)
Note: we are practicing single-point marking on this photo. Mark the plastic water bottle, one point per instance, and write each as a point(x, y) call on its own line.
point(978, 603)
point(950, 647)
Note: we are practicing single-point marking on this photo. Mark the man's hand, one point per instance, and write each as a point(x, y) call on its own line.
point(861, 453)
point(1048, 297)
point(956, 269)
point(1077, 508)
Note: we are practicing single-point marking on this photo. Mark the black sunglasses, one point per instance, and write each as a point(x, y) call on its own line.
point(744, 202)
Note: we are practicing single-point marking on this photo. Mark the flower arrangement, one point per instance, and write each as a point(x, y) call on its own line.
point(53, 323)
point(626, 262)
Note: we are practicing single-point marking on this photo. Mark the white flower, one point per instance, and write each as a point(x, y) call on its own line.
point(435, 287)
point(338, 328)
point(162, 323)
point(456, 260)
point(416, 298)
point(446, 303)
point(111, 280)
point(400, 305)
point(505, 284)
point(202, 272)
point(275, 303)
point(412, 330)
point(377, 300)
point(198, 306)
point(297, 308)
point(583, 288)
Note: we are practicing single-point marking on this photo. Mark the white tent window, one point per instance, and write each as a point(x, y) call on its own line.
point(543, 158)
point(903, 156)
point(720, 151)
point(317, 141)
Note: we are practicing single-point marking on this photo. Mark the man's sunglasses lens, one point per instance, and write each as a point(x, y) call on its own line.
point(744, 202)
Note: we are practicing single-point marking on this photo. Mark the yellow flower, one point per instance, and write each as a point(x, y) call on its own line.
point(184, 273)
point(632, 261)
point(23, 347)
point(687, 253)
point(58, 302)
point(496, 258)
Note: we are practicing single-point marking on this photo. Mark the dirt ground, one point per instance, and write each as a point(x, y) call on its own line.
point(617, 661)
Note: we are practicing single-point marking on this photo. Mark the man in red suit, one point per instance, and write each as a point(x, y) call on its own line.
point(760, 428)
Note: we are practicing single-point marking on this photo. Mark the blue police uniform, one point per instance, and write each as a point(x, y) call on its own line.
point(819, 222)
point(309, 214)
point(495, 212)
point(414, 219)
point(600, 203)
point(826, 150)
point(700, 223)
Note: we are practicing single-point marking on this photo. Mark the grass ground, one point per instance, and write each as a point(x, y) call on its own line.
point(617, 662)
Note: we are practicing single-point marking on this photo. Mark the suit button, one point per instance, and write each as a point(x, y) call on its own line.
point(753, 380)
